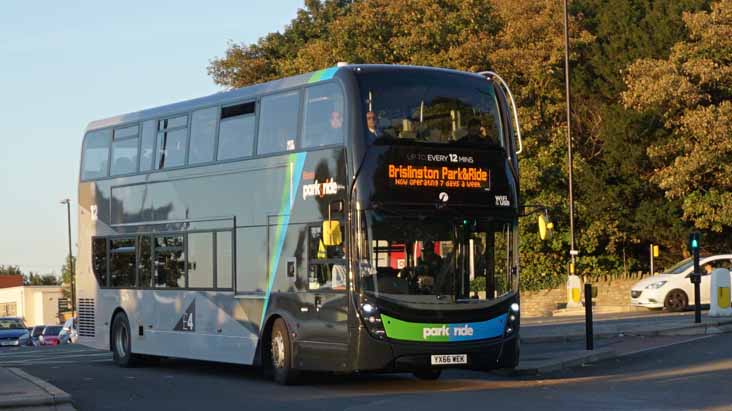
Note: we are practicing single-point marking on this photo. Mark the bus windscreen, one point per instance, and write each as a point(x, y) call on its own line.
point(415, 106)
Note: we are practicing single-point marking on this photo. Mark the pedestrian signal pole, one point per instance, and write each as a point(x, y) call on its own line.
point(696, 275)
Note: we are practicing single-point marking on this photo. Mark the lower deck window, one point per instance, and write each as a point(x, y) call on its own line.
point(169, 262)
point(122, 256)
point(99, 260)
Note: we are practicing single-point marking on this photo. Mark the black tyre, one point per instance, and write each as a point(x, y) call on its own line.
point(281, 354)
point(428, 374)
point(121, 341)
point(511, 355)
point(676, 300)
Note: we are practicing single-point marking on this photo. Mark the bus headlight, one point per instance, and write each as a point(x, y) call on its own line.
point(512, 319)
point(372, 320)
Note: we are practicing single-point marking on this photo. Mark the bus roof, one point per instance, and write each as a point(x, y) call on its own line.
point(236, 95)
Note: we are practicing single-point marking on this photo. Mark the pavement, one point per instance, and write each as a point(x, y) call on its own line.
point(548, 345)
point(22, 391)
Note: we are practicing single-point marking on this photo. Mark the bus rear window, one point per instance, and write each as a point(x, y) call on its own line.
point(95, 161)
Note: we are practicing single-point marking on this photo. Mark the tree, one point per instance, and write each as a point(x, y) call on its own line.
point(619, 207)
point(10, 270)
point(691, 91)
point(45, 279)
point(66, 277)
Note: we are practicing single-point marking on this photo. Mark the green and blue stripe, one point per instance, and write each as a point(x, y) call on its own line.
point(296, 162)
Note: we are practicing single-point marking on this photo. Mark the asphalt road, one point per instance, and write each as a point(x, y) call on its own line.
point(681, 377)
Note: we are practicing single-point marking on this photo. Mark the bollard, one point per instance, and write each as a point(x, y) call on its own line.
point(574, 292)
point(590, 340)
point(719, 305)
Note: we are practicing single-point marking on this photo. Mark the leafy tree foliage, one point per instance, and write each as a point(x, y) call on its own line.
point(622, 201)
point(10, 270)
point(45, 279)
point(66, 277)
point(691, 91)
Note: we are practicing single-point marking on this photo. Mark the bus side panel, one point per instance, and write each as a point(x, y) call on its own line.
point(210, 326)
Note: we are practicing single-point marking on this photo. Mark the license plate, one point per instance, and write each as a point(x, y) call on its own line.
point(449, 359)
point(6, 343)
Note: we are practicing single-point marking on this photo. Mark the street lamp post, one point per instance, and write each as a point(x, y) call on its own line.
point(572, 252)
point(71, 259)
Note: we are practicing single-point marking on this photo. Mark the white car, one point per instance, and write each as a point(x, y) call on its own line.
point(673, 289)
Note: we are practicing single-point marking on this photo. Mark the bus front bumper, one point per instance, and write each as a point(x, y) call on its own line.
point(391, 355)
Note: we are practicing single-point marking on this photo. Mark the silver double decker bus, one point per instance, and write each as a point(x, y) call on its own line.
point(361, 218)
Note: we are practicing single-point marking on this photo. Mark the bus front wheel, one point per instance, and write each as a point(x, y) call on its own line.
point(281, 355)
point(121, 345)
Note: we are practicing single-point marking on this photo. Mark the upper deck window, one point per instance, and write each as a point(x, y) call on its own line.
point(95, 163)
point(278, 123)
point(203, 133)
point(147, 145)
point(419, 106)
point(236, 131)
point(324, 116)
point(172, 134)
point(124, 150)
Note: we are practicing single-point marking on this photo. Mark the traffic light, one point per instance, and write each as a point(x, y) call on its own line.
point(694, 244)
point(694, 241)
point(695, 277)
point(655, 251)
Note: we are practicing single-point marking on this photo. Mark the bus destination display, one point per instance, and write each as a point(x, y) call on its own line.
point(438, 177)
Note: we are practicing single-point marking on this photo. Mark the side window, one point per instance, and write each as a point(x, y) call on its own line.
point(203, 133)
point(278, 123)
point(324, 116)
point(326, 264)
point(122, 261)
point(169, 262)
point(712, 265)
point(251, 260)
point(147, 145)
point(96, 154)
point(144, 262)
point(171, 142)
point(124, 150)
point(99, 260)
point(236, 131)
point(200, 260)
point(223, 259)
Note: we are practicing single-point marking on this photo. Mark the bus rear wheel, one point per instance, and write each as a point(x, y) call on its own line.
point(428, 374)
point(281, 354)
point(121, 344)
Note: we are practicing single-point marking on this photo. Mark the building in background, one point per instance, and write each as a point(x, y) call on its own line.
point(36, 304)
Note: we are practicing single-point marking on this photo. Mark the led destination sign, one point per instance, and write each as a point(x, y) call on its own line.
point(448, 177)
point(458, 176)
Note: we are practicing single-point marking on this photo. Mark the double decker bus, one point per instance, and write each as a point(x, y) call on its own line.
point(359, 218)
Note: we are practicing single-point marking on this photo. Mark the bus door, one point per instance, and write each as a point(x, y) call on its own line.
point(325, 337)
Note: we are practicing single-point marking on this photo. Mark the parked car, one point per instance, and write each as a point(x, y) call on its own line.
point(69, 333)
point(36, 333)
point(673, 289)
point(13, 332)
point(50, 335)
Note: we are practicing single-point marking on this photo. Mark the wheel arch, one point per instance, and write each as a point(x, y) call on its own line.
point(262, 354)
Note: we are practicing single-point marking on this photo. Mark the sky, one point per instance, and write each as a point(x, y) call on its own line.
point(65, 64)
